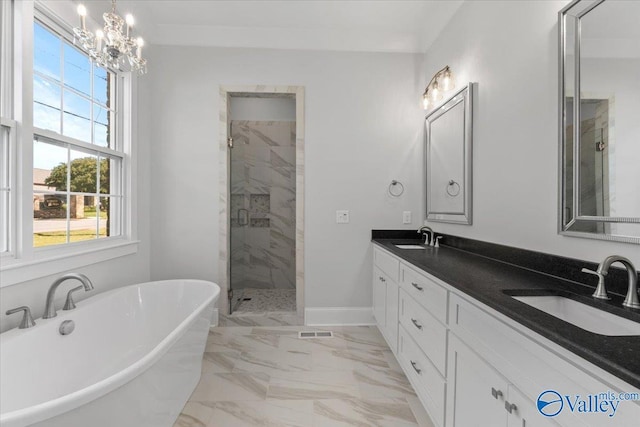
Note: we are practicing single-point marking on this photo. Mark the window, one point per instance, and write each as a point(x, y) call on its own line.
point(66, 156)
point(77, 157)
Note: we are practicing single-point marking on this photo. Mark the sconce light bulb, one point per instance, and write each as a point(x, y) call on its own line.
point(129, 19)
point(446, 81)
point(82, 11)
point(434, 91)
point(425, 101)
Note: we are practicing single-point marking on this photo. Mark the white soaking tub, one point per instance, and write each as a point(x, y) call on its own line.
point(134, 359)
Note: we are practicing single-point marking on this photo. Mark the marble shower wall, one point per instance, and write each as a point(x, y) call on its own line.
point(263, 204)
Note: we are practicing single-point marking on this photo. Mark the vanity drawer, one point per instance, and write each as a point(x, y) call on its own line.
point(425, 291)
point(429, 334)
point(389, 264)
point(425, 378)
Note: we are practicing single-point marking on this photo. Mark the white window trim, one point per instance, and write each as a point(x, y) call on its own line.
point(26, 262)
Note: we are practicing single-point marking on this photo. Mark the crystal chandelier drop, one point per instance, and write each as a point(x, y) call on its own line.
point(111, 47)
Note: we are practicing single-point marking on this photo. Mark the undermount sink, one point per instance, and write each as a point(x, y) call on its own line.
point(581, 315)
point(409, 246)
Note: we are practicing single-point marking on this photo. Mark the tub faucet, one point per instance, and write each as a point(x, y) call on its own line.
point(50, 309)
point(631, 300)
point(424, 230)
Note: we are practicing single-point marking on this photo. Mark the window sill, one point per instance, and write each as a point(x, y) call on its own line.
point(14, 271)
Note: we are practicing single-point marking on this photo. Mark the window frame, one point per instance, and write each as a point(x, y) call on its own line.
point(8, 128)
point(24, 261)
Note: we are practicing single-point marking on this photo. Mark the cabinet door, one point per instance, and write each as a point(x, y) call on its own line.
point(379, 298)
point(476, 392)
point(392, 315)
point(525, 413)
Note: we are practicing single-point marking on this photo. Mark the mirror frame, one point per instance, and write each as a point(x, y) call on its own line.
point(571, 15)
point(464, 95)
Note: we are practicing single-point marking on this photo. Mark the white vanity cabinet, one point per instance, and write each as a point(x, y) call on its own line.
point(470, 365)
point(528, 363)
point(386, 268)
point(478, 392)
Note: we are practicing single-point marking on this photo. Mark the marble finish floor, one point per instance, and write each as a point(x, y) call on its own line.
point(267, 376)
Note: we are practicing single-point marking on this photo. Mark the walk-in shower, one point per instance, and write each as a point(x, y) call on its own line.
point(262, 205)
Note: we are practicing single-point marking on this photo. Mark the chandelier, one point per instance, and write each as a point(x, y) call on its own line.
point(111, 47)
point(441, 82)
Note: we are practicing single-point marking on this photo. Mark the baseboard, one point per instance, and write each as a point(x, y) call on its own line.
point(322, 316)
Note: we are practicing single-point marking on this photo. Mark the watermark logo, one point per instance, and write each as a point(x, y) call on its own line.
point(550, 403)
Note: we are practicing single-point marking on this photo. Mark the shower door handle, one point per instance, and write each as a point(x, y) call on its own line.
point(245, 217)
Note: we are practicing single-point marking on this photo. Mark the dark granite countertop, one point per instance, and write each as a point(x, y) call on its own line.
point(490, 281)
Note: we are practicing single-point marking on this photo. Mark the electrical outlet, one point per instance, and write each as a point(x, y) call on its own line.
point(406, 217)
point(342, 217)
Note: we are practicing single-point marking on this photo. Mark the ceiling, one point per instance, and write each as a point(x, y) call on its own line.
point(338, 25)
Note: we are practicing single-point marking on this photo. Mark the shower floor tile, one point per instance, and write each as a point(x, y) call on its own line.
point(267, 300)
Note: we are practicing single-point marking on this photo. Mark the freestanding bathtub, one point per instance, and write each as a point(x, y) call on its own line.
point(134, 359)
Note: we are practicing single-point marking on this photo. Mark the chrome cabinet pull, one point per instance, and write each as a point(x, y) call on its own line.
point(415, 285)
point(510, 407)
point(413, 364)
point(416, 324)
point(382, 279)
point(495, 393)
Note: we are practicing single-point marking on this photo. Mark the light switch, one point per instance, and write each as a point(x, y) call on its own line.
point(342, 217)
point(406, 217)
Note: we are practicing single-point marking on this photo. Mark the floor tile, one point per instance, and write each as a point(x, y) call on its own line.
point(381, 382)
point(242, 343)
point(231, 387)
point(363, 338)
point(347, 359)
point(271, 413)
point(313, 385)
point(273, 361)
point(363, 412)
point(194, 414)
point(219, 361)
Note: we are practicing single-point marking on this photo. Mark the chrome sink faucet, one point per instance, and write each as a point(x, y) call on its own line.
point(631, 300)
point(50, 309)
point(424, 230)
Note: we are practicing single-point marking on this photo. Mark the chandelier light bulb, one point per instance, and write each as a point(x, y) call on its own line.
point(82, 11)
point(99, 37)
point(130, 21)
point(140, 43)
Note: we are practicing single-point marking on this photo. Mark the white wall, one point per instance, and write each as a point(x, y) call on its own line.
point(263, 109)
point(510, 49)
point(363, 129)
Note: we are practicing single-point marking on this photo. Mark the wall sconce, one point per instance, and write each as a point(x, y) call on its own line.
point(441, 82)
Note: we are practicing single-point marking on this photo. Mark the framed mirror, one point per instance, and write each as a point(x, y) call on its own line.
point(448, 159)
point(599, 167)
